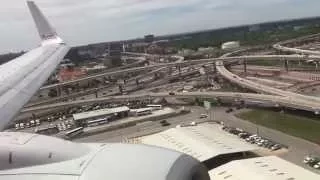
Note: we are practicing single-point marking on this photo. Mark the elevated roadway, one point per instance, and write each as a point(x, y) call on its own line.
point(130, 86)
point(296, 50)
point(185, 63)
point(304, 100)
point(269, 99)
point(281, 45)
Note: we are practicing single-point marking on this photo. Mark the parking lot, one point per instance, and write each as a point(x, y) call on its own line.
point(63, 121)
point(297, 147)
point(254, 138)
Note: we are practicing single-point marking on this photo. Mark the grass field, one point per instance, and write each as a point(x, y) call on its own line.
point(299, 126)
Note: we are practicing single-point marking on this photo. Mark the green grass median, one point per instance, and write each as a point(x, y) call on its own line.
point(295, 125)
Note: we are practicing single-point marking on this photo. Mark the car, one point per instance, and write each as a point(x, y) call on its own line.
point(307, 159)
point(276, 147)
point(310, 160)
point(202, 116)
point(314, 162)
point(260, 142)
point(17, 126)
point(317, 166)
point(37, 122)
point(251, 138)
point(269, 145)
point(193, 123)
point(172, 93)
point(27, 125)
point(21, 125)
point(165, 124)
point(229, 110)
point(243, 135)
point(32, 123)
point(163, 121)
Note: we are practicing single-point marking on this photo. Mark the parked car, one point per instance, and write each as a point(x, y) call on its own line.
point(172, 93)
point(202, 116)
point(229, 110)
point(37, 122)
point(276, 147)
point(163, 121)
point(312, 161)
point(317, 166)
point(21, 125)
point(17, 126)
point(243, 135)
point(193, 123)
point(165, 124)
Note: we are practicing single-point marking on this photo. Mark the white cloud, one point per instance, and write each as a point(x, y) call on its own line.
point(88, 21)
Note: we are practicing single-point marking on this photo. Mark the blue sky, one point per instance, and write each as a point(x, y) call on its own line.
point(88, 21)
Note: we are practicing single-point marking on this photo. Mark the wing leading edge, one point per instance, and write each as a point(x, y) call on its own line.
point(21, 78)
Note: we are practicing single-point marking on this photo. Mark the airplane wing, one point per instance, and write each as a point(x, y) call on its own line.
point(22, 77)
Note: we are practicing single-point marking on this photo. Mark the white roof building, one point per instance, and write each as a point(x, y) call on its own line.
point(141, 110)
point(230, 45)
point(262, 168)
point(203, 141)
point(100, 112)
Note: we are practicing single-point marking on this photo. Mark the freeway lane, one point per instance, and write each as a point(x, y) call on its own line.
point(212, 60)
point(268, 99)
point(259, 87)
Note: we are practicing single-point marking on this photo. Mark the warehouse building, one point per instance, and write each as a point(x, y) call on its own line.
point(270, 167)
point(230, 45)
point(205, 142)
point(112, 114)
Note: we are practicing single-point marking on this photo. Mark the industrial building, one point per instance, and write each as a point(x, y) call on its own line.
point(206, 142)
point(270, 167)
point(224, 155)
point(230, 45)
point(149, 38)
point(81, 119)
point(115, 50)
point(141, 111)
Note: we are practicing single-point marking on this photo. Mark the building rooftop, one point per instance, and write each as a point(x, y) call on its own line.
point(203, 141)
point(261, 168)
point(100, 112)
point(141, 110)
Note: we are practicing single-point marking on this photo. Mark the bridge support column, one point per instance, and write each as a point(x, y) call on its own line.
point(179, 68)
point(170, 71)
point(286, 65)
point(245, 66)
point(214, 67)
point(120, 89)
point(59, 89)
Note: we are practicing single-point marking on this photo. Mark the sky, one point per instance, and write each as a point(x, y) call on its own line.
point(81, 22)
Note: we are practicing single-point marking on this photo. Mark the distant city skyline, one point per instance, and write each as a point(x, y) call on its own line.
point(81, 22)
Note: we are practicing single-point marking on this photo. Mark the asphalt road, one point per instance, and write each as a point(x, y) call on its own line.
point(144, 128)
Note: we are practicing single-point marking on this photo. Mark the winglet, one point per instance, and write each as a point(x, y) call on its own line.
point(45, 30)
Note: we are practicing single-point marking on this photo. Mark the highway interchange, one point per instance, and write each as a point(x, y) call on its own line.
point(267, 95)
point(283, 98)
